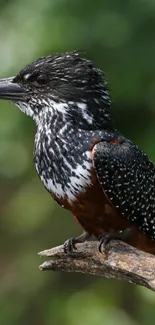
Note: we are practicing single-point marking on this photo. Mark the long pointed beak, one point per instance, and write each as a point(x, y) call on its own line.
point(10, 90)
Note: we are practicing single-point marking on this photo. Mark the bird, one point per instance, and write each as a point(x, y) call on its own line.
point(88, 167)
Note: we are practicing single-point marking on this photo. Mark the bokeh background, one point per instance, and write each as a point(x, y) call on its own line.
point(120, 37)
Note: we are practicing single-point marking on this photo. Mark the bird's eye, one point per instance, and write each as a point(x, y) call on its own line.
point(42, 79)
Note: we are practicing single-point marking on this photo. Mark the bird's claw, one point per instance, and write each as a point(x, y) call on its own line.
point(105, 238)
point(69, 245)
point(104, 241)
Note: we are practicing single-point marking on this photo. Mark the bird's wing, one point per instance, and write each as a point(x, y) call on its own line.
point(127, 176)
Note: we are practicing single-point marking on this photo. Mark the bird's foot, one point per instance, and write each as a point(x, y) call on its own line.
point(70, 244)
point(105, 238)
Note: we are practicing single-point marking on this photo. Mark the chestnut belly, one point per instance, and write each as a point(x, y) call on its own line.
point(97, 215)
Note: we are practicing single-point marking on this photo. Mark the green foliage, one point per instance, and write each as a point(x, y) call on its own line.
point(119, 36)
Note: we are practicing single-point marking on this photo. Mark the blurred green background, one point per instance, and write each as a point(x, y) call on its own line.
point(120, 37)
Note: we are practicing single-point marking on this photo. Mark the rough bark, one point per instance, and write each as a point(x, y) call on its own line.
point(121, 262)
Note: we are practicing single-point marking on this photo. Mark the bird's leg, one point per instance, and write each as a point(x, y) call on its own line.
point(105, 238)
point(70, 244)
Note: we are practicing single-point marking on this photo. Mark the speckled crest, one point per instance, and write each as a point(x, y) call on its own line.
point(68, 84)
point(65, 75)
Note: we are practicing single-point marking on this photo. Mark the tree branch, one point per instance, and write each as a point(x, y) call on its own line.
point(121, 262)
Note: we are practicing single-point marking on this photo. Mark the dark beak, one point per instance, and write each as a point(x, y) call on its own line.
point(12, 91)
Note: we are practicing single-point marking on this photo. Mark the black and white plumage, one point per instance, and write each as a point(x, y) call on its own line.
point(77, 148)
point(65, 92)
point(128, 179)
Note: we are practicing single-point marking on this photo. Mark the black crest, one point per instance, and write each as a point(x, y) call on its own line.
point(67, 75)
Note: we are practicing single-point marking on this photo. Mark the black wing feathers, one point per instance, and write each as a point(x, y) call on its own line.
point(128, 178)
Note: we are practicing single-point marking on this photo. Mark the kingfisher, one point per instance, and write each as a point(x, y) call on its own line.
point(84, 162)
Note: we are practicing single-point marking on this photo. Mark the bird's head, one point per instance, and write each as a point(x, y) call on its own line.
point(65, 84)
